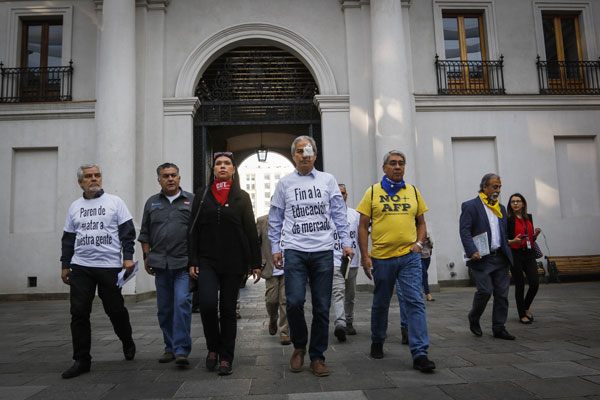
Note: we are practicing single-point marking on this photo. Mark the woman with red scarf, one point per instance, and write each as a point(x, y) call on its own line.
point(523, 234)
point(223, 247)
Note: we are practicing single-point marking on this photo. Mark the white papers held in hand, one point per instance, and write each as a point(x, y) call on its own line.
point(121, 280)
point(482, 244)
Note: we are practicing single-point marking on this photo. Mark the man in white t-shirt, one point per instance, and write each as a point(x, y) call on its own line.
point(97, 229)
point(344, 289)
point(306, 208)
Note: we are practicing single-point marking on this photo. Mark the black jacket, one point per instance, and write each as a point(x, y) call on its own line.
point(224, 237)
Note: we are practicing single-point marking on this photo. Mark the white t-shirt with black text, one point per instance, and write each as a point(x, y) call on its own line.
point(338, 248)
point(95, 223)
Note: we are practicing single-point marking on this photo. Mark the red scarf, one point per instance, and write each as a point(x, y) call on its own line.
point(220, 189)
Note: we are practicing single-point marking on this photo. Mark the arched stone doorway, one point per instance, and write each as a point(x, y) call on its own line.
point(253, 95)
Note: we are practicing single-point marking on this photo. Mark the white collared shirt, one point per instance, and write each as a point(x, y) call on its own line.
point(494, 227)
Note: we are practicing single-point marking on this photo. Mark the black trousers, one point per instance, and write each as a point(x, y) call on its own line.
point(222, 290)
point(524, 261)
point(83, 289)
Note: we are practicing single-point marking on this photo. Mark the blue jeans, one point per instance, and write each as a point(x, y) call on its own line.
point(174, 309)
point(424, 267)
point(407, 271)
point(317, 268)
point(402, 305)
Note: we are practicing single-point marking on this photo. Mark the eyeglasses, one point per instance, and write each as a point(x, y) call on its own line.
point(222, 153)
point(516, 201)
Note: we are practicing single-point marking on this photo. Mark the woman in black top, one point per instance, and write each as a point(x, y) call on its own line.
point(223, 247)
point(520, 229)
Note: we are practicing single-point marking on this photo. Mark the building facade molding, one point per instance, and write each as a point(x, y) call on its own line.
point(337, 103)
point(225, 39)
point(428, 103)
point(16, 14)
point(47, 111)
point(160, 5)
point(181, 106)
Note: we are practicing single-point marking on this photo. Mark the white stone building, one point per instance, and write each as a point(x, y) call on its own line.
point(173, 80)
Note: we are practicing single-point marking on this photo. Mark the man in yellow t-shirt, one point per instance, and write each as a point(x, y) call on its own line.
point(394, 210)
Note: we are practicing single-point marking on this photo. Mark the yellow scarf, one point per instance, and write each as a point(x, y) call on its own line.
point(495, 208)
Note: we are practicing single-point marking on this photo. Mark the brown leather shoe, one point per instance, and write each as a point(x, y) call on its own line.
point(297, 360)
point(272, 327)
point(319, 368)
point(285, 340)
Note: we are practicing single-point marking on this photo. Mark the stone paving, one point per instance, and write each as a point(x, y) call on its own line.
point(558, 356)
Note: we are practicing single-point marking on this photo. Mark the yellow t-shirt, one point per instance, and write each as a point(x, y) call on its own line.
point(394, 229)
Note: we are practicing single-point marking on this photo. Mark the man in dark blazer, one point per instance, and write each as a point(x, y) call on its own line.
point(484, 214)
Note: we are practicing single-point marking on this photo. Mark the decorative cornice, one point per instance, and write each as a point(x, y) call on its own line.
point(332, 103)
point(181, 106)
point(149, 4)
point(429, 103)
point(353, 3)
point(359, 3)
point(45, 111)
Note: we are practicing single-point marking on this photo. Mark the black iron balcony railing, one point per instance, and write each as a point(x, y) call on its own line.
point(569, 77)
point(26, 85)
point(470, 77)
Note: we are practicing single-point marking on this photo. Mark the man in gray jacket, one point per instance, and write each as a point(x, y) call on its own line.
point(163, 236)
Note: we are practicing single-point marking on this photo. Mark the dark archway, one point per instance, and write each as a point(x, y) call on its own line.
point(253, 95)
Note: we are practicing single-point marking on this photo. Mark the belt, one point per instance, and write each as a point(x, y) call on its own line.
point(495, 252)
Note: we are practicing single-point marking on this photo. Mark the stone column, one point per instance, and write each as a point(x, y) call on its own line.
point(115, 99)
point(392, 97)
point(362, 142)
point(179, 115)
point(335, 136)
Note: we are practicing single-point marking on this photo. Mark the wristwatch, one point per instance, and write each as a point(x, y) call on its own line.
point(419, 244)
point(147, 254)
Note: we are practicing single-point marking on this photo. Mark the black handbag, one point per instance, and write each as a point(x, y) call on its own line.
point(537, 251)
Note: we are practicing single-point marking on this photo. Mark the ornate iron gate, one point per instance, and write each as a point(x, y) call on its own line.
point(253, 85)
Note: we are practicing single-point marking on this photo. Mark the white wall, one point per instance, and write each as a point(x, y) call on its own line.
point(524, 145)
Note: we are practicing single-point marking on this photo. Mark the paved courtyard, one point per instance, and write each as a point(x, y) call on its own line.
point(558, 356)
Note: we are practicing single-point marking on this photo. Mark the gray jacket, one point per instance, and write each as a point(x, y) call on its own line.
point(164, 227)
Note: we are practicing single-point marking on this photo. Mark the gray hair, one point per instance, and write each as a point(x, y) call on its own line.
point(387, 155)
point(166, 165)
point(299, 138)
point(86, 166)
point(485, 181)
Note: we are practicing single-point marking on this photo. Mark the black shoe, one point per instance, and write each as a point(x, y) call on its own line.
point(340, 333)
point(211, 361)
point(225, 368)
point(350, 331)
point(181, 360)
point(78, 368)
point(474, 327)
point(377, 350)
point(423, 364)
point(129, 350)
point(404, 332)
point(503, 335)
